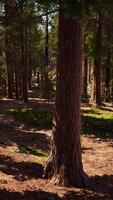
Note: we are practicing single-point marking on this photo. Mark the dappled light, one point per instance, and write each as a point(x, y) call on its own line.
point(24, 149)
point(20, 171)
point(56, 100)
point(98, 122)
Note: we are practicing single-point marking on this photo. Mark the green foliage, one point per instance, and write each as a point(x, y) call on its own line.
point(78, 8)
point(53, 37)
point(33, 151)
point(89, 44)
point(33, 116)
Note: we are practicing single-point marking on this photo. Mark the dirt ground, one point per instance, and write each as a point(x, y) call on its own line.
point(20, 172)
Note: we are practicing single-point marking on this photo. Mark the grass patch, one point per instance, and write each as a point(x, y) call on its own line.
point(32, 116)
point(97, 122)
point(33, 151)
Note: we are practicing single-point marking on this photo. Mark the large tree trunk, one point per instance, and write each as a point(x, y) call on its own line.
point(65, 163)
point(97, 61)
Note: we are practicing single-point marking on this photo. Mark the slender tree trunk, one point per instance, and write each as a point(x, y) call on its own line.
point(8, 44)
point(16, 84)
point(97, 61)
point(9, 62)
point(24, 64)
point(65, 163)
point(46, 86)
point(29, 58)
point(16, 73)
point(30, 81)
point(108, 76)
point(20, 71)
point(38, 78)
point(85, 95)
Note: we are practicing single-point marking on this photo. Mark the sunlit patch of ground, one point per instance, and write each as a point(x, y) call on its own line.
point(24, 149)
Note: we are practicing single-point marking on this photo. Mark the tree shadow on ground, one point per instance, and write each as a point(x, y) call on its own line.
point(28, 141)
point(20, 170)
point(35, 113)
point(32, 103)
point(99, 127)
point(101, 188)
point(102, 184)
point(28, 195)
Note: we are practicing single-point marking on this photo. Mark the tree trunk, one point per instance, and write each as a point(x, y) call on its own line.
point(30, 60)
point(16, 72)
point(65, 162)
point(46, 86)
point(9, 9)
point(97, 61)
point(24, 64)
point(85, 95)
point(38, 79)
point(108, 76)
point(9, 62)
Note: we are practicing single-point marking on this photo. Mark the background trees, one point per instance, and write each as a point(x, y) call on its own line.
point(25, 46)
point(29, 43)
point(29, 48)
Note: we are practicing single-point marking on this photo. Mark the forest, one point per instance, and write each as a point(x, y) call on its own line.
point(56, 100)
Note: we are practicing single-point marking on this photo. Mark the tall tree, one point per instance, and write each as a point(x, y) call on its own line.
point(65, 162)
point(9, 9)
point(97, 60)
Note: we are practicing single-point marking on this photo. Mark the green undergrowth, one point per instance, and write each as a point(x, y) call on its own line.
point(33, 151)
point(32, 116)
point(98, 122)
point(95, 121)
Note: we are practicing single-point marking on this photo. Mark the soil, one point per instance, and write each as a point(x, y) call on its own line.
point(21, 172)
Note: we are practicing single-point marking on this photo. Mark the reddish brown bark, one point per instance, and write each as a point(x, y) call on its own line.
point(85, 95)
point(45, 70)
point(10, 75)
point(24, 64)
point(108, 76)
point(9, 9)
point(65, 162)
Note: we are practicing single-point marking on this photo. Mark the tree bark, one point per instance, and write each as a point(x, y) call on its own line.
point(97, 61)
point(29, 60)
point(46, 86)
point(15, 72)
point(38, 79)
point(24, 64)
point(108, 76)
point(85, 95)
point(9, 9)
point(9, 62)
point(64, 166)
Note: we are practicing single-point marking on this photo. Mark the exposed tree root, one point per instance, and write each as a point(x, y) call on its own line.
point(61, 178)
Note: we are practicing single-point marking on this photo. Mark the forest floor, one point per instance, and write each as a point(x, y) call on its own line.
point(24, 147)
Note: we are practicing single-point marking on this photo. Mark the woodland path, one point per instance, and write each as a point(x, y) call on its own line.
point(21, 170)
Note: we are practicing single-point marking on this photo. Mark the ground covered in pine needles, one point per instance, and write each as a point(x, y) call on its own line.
point(24, 147)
